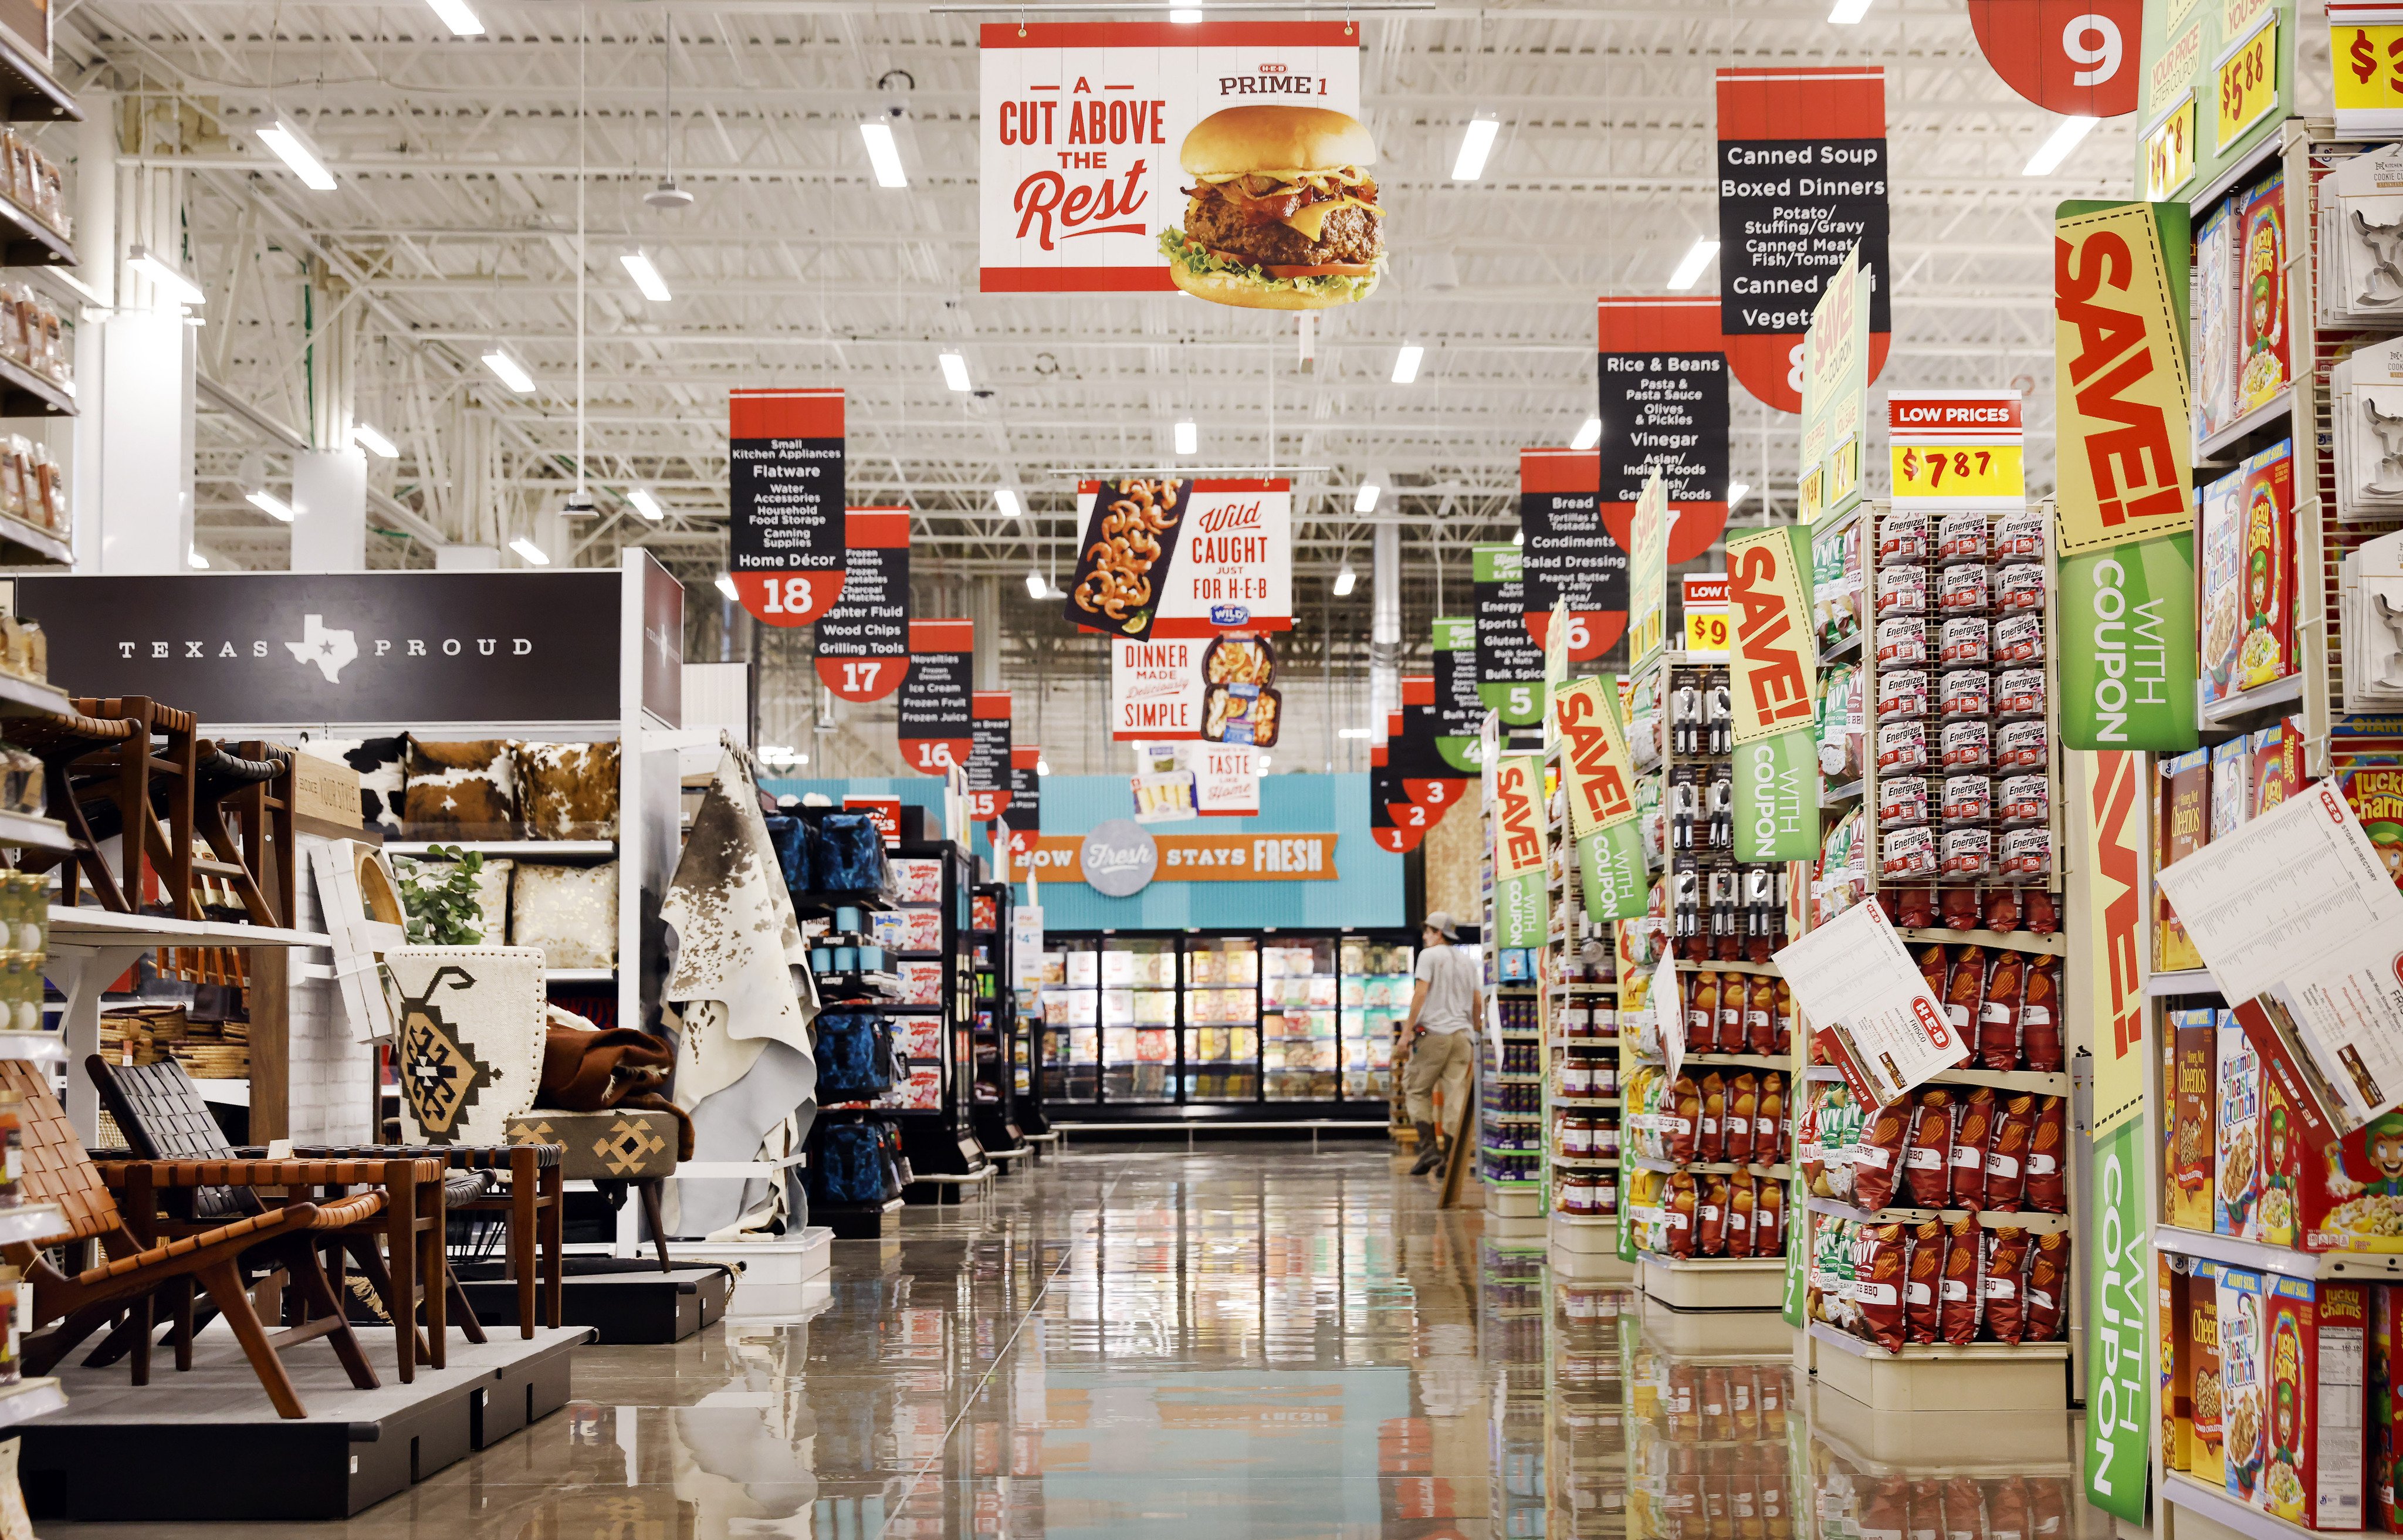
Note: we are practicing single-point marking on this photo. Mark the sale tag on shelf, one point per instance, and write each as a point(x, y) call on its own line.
point(2169, 151)
point(1956, 449)
point(2366, 46)
point(2247, 75)
point(1706, 612)
point(1772, 684)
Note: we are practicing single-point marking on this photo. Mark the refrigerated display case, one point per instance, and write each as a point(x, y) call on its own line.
point(1224, 1022)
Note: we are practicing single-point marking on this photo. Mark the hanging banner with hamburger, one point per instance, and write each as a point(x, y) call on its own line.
point(1222, 158)
point(1568, 556)
point(1664, 407)
point(1803, 175)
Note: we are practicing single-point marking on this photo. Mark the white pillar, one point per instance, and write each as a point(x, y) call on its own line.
point(330, 510)
point(96, 224)
point(144, 405)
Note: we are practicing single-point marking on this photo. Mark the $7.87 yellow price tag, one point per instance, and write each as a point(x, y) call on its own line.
point(1949, 470)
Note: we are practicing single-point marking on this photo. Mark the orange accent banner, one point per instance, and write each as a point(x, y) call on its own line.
point(1201, 858)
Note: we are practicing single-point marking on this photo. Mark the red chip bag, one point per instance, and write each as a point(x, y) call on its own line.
point(1735, 989)
point(1760, 1014)
point(1890, 900)
point(1957, 1295)
point(1927, 1157)
point(1933, 966)
point(2049, 1507)
point(2048, 1149)
point(1744, 1200)
point(1926, 1521)
point(1735, 1127)
point(2008, 1509)
point(1685, 1119)
point(1681, 1204)
point(1973, 1139)
point(1769, 1222)
point(1877, 1160)
point(1710, 1216)
point(2006, 1162)
point(1771, 1132)
point(1710, 1142)
point(1922, 1282)
point(2003, 909)
point(1916, 908)
point(1784, 1043)
point(2048, 1287)
point(1998, 1014)
point(2043, 911)
point(2004, 1287)
point(1965, 992)
point(2040, 1015)
point(1702, 1014)
point(1878, 1265)
point(1958, 907)
point(1965, 1510)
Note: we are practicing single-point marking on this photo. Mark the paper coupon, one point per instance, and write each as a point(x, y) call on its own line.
point(1854, 976)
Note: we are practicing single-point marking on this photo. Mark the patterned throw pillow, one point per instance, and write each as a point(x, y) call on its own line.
point(568, 791)
point(377, 760)
point(570, 912)
point(461, 791)
point(468, 1051)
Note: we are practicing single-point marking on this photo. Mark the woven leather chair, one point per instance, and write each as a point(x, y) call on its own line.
point(59, 741)
point(54, 1169)
point(532, 1194)
point(163, 1118)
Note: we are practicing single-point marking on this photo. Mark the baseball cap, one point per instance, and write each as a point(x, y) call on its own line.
point(1443, 924)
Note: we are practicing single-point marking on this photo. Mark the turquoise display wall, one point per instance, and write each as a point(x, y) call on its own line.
point(1368, 891)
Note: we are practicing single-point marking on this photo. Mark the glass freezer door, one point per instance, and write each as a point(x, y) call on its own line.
point(1222, 1013)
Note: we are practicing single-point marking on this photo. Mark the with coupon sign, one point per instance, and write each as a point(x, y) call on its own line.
point(1602, 800)
point(1522, 905)
point(1772, 683)
point(1885, 1031)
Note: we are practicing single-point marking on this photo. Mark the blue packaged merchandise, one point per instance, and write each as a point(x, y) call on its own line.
point(847, 854)
point(855, 1165)
point(856, 1055)
point(785, 835)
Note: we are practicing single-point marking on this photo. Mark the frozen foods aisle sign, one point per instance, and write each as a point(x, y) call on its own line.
point(1082, 125)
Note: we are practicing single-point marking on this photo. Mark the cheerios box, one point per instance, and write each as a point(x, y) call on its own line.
point(2314, 1403)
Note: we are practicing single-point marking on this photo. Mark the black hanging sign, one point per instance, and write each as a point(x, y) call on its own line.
point(934, 713)
point(988, 763)
point(863, 641)
point(784, 463)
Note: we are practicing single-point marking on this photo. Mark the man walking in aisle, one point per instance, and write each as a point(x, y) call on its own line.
point(1440, 1039)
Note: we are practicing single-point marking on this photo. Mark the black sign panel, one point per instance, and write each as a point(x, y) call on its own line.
point(785, 474)
point(864, 640)
point(373, 649)
point(1025, 809)
point(1789, 212)
point(988, 762)
point(1507, 658)
point(1570, 553)
point(935, 697)
point(1666, 410)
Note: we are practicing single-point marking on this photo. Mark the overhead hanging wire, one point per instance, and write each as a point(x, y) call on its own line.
point(582, 497)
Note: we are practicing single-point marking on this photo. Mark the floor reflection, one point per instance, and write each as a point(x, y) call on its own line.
point(1251, 1341)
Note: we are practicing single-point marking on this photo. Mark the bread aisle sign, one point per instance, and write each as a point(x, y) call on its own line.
point(1222, 158)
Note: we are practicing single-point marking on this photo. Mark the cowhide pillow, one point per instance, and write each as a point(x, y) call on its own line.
point(461, 791)
point(568, 791)
point(377, 760)
point(570, 912)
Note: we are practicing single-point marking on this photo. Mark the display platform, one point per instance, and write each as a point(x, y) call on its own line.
point(210, 1447)
point(1981, 1377)
point(1732, 1337)
point(622, 1300)
point(1713, 1284)
point(1935, 1446)
point(771, 1277)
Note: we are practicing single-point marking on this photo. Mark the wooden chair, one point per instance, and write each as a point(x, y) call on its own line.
point(54, 1169)
point(61, 742)
point(162, 1116)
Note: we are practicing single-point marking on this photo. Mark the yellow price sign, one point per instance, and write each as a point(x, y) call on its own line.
point(2168, 152)
point(2248, 85)
point(1843, 472)
point(2368, 62)
point(1941, 470)
point(1706, 630)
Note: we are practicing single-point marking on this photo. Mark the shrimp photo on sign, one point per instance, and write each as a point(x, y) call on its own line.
point(1165, 557)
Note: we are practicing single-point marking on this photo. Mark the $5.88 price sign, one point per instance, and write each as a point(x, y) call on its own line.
point(1923, 470)
point(2168, 152)
point(2247, 84)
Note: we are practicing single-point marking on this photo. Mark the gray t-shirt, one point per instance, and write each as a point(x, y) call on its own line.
point(1451, 972)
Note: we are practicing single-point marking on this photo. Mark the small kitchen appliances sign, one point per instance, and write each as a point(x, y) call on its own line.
point(1082, 124)
point(784, 471)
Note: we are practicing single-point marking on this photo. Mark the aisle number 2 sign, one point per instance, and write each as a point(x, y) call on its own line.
point(2248, 83)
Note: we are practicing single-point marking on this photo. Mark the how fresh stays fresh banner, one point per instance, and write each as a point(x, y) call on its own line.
point(1570, 556)
point(1773, 681)
point(863, 640)
point(1835, 393)
point(1168, 557)
point(1802, 173)
point(1647, 573)
point(1602, 800)
point(934, 712)
point(784, 502)
point(2119, 1365)
point(1082, 127)
point(1521, 906)
point(1457, 706)
point(1509, 663)
point(988, 761)
point(2125, 471)
point(1664, 407)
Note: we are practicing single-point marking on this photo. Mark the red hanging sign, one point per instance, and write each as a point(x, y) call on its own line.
point(2075, 57)
point(936, 724)
point(1663, 368)
point(784, 532)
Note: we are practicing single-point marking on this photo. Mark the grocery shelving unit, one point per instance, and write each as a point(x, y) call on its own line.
point(1579, 1063)
point(27, 243)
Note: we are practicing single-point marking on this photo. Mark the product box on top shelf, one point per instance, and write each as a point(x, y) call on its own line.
point(2193, 1166)
point(2215, 342)
point(2264, 362)
point(2181, 826)
point(2386, 1392)
point(2220, 551)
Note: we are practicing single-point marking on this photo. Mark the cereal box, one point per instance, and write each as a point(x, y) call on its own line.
point(2220, 549)
point(2263, 339)
point(2282, 1142)
point(2385, 1376)
point(2194, 1036)
point(2231, 791)
point(2244, 1438)
point(2372, 785)
point(2215, 342)
point(2277, 763)
point(2171, 1288)
point(2205, 1463)
point(2237, 1141)
point(2265, 649)
point(2182, 828)
point(2314, 1361)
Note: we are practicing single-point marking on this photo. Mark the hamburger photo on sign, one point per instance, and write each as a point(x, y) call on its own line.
point(1283, 212)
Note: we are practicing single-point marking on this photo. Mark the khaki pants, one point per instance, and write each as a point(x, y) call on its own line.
point(1439, 1060)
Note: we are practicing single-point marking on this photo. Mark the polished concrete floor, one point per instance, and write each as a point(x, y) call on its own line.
point(1254, 1341)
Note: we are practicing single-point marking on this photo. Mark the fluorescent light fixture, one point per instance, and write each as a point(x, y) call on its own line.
point(638, 266)
point(194, 560)
point(268, 503)
point(1006, 499)
point(955, 372)
point(1474, 146)
point(456, 15)
point(1406, 363)
point(174, 285)
point(2048, 157)
point(373, 442)
point(725, 586)
point(1185, 15)
point(1264, 764)
point(1367, 501)
point(1587, 436)
point(1189, 438)
point(530, 551)
point(293, 148)
point(780, 753)
point(1695, 261)
point(1848, 11)
point(1042, 766)
point(1345, 581)
point(1352, 732)
point(1035, 587)
point(885, 155)
point(642, 500)
point(1737, 491)
point(511, 372)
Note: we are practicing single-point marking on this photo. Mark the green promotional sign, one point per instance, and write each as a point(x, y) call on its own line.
point(1610, 863)
point(1458, 709)
point(1773, 679)
point(1510, 664)
point(1521, 904)
point(2120, 1367)
point(1797, 1228)
point(2128, 654)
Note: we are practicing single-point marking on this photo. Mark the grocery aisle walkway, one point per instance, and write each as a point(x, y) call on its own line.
point(1250, 1342)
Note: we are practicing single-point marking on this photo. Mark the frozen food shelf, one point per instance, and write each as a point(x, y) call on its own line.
point(2283, 1260)
point(1938, 1351)
point(2055, 944)
point(2034, 1223)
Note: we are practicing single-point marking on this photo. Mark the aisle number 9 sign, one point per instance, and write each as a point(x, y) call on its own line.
point(2075, 57)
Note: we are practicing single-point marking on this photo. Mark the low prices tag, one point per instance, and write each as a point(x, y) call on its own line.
point(1935, 471)
point(2169, 151)
point(2248, 84)
point(1707, 613)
